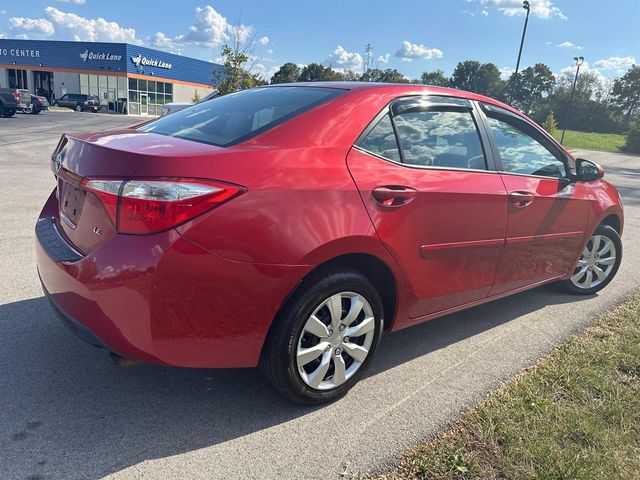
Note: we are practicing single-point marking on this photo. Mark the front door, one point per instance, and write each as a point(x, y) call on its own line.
point(434, 200)
point(548, 213)
point(144, 104)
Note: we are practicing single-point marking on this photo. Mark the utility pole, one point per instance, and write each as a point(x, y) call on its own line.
point(579, 61)
point(527, 7)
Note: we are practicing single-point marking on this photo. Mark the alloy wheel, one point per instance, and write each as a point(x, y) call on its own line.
point(335, 340)
point(596, 264)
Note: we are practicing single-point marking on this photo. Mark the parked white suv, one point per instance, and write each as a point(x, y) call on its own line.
point(175, 106)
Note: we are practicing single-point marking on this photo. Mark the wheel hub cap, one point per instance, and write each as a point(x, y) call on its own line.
point(596, 263)
point(335, 340)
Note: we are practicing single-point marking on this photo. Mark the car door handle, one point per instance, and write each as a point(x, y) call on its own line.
point(521, 199)
point(393, 195)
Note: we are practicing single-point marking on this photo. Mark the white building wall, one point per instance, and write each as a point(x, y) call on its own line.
point(185, 93)
point(4, 78)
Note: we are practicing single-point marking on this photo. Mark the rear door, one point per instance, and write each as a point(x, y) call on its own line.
point(434, 198)
point(548, 213)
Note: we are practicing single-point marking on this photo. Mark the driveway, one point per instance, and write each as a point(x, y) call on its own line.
point(68, 412)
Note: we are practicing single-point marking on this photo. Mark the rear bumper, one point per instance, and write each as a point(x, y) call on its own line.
point(72, 324)
point(162, 299)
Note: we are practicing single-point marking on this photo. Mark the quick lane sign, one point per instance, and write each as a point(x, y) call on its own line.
point(140, 60)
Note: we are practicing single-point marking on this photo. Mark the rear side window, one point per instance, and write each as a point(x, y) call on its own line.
point(382, 140)
point(440, 138)
point(232, 118)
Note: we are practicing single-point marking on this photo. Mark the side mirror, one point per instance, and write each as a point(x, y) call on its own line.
point(587, 171)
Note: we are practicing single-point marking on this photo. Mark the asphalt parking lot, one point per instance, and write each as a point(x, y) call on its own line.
point(68, 412)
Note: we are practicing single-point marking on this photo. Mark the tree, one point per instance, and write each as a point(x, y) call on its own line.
point(626, 93)
point(287, 73)
point(314, 72)
point(388, 75)
point(239, 63)
point(632, 144)
point(550, 124)
point(482, 78)
point(196, 97)
point(531, 86)
point(436, 78)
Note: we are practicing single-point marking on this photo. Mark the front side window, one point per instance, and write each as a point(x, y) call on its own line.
point(232, 118)
point(381, 140)
point(440, 138)
point(521, 153)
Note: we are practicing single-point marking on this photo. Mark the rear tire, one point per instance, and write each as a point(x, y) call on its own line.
point(9, 113)
point(598, 264)
point(307, 355)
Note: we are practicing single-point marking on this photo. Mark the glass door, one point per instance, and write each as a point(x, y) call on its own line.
point(144, 104)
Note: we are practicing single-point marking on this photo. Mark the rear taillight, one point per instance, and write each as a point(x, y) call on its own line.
point(143, 206)
point(16, 95)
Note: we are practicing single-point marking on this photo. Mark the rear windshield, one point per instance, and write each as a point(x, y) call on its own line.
point(232, 118)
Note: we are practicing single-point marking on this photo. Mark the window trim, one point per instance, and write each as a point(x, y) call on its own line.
point(538, 135)
point(431, 103)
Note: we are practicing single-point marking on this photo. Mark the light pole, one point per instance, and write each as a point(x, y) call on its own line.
point(579, 61)
point(527, 7)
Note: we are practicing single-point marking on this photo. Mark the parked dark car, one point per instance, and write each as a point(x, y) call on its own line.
point(78, 102)
point(288, 226)
point(38, 104)
point(13, 100)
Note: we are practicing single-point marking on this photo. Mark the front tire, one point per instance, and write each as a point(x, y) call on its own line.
point(324, 338)
point(78, 108)
point(598, 263)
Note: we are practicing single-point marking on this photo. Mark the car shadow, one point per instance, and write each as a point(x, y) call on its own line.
point(68, 411)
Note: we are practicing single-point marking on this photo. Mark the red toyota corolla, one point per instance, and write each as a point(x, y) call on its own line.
point(288, 226)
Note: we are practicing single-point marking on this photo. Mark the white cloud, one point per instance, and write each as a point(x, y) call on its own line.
point(605, 83)
point(410, 51)
point(210, 28)
point(75, 27)
point(2, 35)
point(505, 72)
point(569, 45)
point(3, 12)
point(270, 51)
point(162, 42)
point(75, 2)
point(384, 58)
point(539, 8)
point(264, 71)
point(35, 25)
point(485, 12)
point(616, 64)
point(343, 59)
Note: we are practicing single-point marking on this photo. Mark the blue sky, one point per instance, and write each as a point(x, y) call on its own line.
point(410, 35)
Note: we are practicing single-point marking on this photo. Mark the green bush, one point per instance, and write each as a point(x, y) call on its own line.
point(550, 124)
point(632, 145)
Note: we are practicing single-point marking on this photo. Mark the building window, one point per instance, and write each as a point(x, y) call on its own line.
point(157, 94)
point(17, 78)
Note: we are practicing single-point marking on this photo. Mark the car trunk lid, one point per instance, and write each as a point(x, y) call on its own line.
point(83, 219)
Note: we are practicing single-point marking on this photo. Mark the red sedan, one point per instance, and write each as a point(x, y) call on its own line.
point(289, 226)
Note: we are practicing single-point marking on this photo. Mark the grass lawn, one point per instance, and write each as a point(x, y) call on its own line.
point(575, 415)
point(605, 142)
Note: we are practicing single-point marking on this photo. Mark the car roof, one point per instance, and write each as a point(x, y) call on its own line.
point(400, 89)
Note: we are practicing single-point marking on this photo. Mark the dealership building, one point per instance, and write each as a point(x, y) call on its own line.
point(127, 78)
